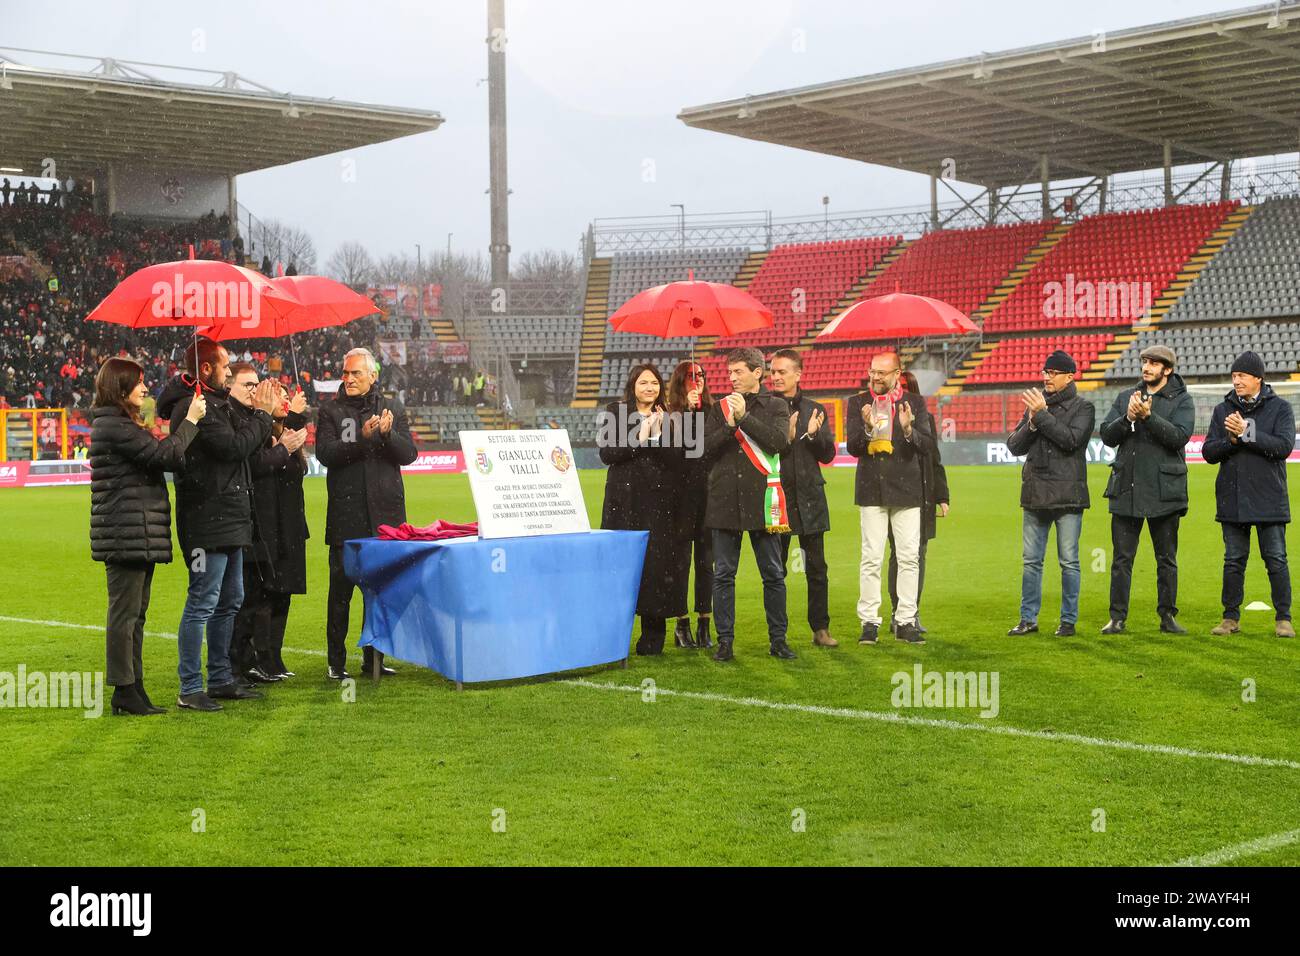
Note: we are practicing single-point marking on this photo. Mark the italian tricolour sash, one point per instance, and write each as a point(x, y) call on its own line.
point(775, 517)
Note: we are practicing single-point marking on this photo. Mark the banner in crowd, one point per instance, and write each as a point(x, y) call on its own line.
point(426, 350)
point(405, 299)
point(14, 267)
point(392, 353)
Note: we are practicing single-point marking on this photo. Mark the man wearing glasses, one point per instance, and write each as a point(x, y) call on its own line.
point(1053, 435)
point(362, 438)
point(888, 431)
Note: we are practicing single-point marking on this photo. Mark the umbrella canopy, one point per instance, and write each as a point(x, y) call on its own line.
point(321, 302)
point(192, 292)
point(689, 309)
point(898, 315)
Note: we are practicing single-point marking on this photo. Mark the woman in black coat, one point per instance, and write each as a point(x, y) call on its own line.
point(130, 516)
point(642, 487)
point(688, 395)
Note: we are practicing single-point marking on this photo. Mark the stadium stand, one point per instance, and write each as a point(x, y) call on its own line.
point(633, 272)
point(1021, 360)
point(1209, 350)
point(537, 335)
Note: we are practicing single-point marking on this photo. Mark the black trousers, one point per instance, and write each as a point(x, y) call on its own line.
point(338, 607)
point(259, 627)
point(128, 602)
point(653, 632)
point(1124, 534)
point(893, 574)
point(702, 551)
point(814, 562)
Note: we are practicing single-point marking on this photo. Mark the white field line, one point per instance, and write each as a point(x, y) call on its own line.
point(891, 717)
point(1250, 848)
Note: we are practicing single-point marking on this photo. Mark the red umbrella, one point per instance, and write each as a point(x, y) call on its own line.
point(691, 308)
point(321, 302)
point(898, 315)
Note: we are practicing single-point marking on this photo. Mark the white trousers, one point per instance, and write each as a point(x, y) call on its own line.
point(876, 525)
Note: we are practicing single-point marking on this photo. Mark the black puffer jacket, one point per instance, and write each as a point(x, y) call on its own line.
point(130, 512)
point(1251, 484)
point(213, 494)
point(1055, 474)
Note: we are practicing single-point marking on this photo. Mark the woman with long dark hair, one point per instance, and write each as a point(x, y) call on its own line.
point(688, 395)
point(130, 516)
point(642, 487)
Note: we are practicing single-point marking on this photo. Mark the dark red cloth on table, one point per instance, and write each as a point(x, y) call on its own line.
point(434, 532)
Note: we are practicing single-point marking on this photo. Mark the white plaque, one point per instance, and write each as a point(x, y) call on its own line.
point(524, 483)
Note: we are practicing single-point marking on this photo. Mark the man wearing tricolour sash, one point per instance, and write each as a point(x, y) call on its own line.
point(744, 435)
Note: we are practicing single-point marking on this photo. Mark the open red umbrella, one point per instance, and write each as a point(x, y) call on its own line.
point(321, 302)
point(898, 315)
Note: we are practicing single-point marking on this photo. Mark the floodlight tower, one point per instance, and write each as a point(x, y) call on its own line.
point(496, 43)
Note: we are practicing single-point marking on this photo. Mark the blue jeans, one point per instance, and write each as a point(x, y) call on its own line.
point(726, 559)
point(1236, 551)
point(1034, 548)
point(214, 598)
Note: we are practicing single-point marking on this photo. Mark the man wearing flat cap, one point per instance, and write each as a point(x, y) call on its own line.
point(1252, 433)
point(1053, 436)
point(1148, 428)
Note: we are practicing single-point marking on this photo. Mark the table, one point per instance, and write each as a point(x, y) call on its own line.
point(476, 610)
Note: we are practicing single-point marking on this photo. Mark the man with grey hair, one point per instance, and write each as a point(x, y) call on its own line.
point(362, 438)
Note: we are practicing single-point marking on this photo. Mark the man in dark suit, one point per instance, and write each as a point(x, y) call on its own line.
point(744, 435)
point(811, 446)
point(363, 439)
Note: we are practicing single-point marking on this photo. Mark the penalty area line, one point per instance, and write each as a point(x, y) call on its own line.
point(1250, 848)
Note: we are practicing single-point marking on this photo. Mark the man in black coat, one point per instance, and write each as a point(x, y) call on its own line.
point(811, 446)
point(1252, 433)
point(214, 519)
point(1149, 428)
point(1053, 436)
point(888, 431)
point(363, 439)
point(744, 435)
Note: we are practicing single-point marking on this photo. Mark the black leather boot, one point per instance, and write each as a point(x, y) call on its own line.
point(703, 637)
point(682, 635)
point(127, 701)
point(140, 692)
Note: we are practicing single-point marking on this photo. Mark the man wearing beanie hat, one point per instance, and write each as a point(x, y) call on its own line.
point(1148, 428)
point(1251, 435)
point(1053, 435)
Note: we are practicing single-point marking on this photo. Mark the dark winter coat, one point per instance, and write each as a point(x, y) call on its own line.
point(1251, 485)
point(936, 487)
point(736, 488)
point(130, 511)
point(364, 477)
point(895, 479)
point(801, 471)
point(643, 486)
point(1055, 474)
point(1148, 478)
point(214, 507)
point(279, 513)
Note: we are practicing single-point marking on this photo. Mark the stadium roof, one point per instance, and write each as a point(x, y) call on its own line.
point(1213, 88)
point(120, 112)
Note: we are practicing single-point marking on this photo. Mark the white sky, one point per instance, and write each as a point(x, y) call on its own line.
point(593, 87)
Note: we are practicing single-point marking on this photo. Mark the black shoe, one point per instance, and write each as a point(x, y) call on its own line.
point(908, 634)
point(1064, 630)
point(1169, 624)
point(782, 650)
point(338, 673)
point(126, 701)
point(1024, 627)
point(233, 691)
point(140, 692)
point(921, 628)
point(682, 634)
point(285, 674)
point(259, 676)
point(870, 634)
point(723, 653)
point(199, 701)
point(702, 636)
point(1114, 626)
point(648, 647)
point(368, 668)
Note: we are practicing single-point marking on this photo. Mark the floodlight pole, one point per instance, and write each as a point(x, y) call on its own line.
point(497, 167)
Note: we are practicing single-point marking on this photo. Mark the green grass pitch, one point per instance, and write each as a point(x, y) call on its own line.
point(717, 769)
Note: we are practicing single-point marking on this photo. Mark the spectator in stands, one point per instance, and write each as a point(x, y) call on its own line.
point(5, 190)
point(480, 382)
point(1149, 428)
point(252, 650)
point(642, 486)
point(688, 394)
point(887, 430)
point(467, 388)
point(363, 439)
point(935, 502)
point(214, 519)
point(811, 446)
point(1053, 433)
point(1252, 433)
point(744, 435)
point(130, 517)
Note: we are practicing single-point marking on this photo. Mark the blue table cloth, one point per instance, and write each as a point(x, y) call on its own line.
point(476, 610)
